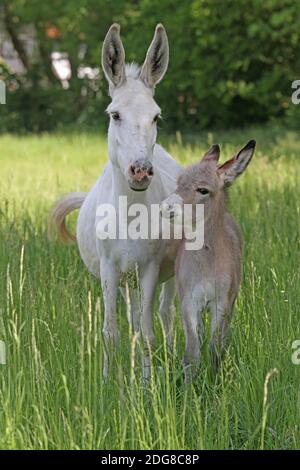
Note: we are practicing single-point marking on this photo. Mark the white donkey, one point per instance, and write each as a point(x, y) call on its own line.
point(141, 170)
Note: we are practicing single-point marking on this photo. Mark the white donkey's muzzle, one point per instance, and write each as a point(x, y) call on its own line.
point(140, 174)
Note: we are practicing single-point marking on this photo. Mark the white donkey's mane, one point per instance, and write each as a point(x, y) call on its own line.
point(132, 70)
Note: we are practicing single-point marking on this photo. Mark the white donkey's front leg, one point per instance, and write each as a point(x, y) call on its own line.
point(148, 280)
point(167, 309)
point(109, 282)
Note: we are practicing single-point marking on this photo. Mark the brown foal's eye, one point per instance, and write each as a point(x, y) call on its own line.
point(156, 118)
point(116, 116)
point(202, 190)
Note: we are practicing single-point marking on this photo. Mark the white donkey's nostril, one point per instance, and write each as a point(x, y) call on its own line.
point(140, 170)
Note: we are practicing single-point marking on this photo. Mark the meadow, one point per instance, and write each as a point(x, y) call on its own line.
point(51, 391)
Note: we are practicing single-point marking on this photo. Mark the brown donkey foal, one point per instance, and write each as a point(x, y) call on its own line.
point(210, 276)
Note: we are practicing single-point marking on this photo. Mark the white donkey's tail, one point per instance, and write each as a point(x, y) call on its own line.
point(59, 212)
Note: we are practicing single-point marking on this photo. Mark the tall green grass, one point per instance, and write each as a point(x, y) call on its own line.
point(51, 392)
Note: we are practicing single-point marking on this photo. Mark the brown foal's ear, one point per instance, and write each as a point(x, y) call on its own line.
point(213, 154)
point(238, 164)
point(113, 57)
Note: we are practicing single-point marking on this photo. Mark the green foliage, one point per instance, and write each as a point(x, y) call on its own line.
point(248, 52)
point(231, 62)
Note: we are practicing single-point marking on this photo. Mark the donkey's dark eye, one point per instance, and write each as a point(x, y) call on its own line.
point(156, 118)
point(202, 190)
point(116, 116)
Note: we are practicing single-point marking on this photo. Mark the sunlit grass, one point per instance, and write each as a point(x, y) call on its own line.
point(51, 391)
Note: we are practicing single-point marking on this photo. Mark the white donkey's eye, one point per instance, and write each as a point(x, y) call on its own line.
point(156, 118)
point(116, 116)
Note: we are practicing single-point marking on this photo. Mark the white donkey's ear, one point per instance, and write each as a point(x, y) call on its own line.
point(113, 57)
point(157, 58)
point(237, 165)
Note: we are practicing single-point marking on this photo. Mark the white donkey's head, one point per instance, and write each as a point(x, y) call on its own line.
point(133, 110)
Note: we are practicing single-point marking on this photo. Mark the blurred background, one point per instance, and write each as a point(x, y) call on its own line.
point(231, 62)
